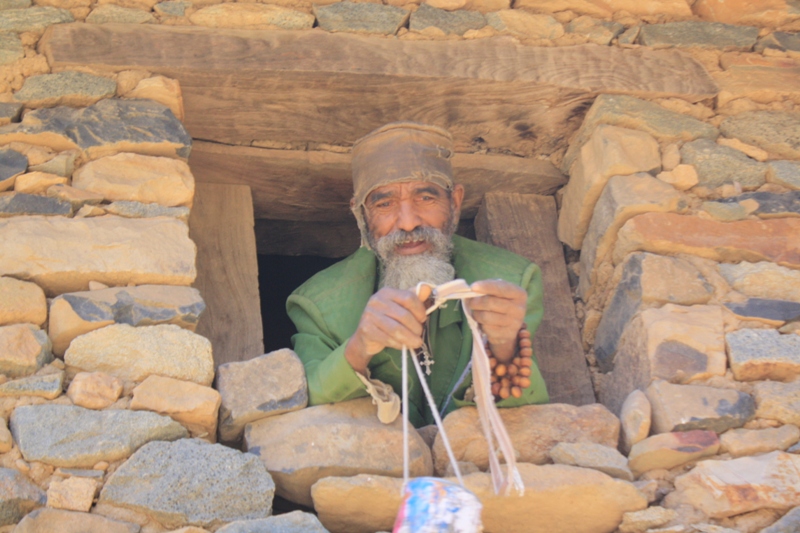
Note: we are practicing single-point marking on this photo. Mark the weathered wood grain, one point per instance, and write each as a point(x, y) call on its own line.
point(221, 225)
point(526, 224)
point(303, 87)
point(317, 185)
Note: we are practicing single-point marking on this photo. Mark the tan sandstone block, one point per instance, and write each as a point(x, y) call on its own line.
point(739, 442)
point(48, 519)
point(776, 240)
point(367, 503)
point(669, 450)
point(20, 302)
point(161, 89)
point(778, 401)
point(758, 78)
point(763, 280)
point(72, 493)
point(133, 354)
point(533, 430)
point(728, 488)
point(594, 8)
point(252, 17)
point(526, 25)
point(76, 197)
point(138, 178)
point(635, 419)
point(24, 349)
point(749, 150)
point(764, 13)
point(37, 182)
point(94, 390)
point(193, 405)
point(6, 439)
point(63, 255)
point(682, 177)
point(610, 151)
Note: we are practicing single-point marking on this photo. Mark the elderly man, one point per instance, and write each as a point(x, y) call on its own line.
point(354, 317)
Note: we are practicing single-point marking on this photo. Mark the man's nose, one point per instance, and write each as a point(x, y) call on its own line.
point(407, 217)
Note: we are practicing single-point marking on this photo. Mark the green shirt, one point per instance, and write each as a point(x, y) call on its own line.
point(327, 309)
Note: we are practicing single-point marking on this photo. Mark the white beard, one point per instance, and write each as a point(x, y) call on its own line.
point(405, 271)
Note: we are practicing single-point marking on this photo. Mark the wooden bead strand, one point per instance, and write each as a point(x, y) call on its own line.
point(512, 378)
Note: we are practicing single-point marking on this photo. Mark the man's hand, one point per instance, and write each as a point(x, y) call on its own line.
point(500, 314)
point(392, 318)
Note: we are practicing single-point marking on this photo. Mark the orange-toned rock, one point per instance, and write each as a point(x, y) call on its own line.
point(761, 79)
point(635, 419)
point(533, 429)
point(763, 13)
point(739, 442)
point(776, 240)
point(163, 90)
point(21, 302)
point(73, 493)
point(24, 349)
point(94, 390)
point(193, 405)
point(37, 182)
point(669, 450)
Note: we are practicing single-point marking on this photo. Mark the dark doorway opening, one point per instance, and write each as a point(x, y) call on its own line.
point(278, 276)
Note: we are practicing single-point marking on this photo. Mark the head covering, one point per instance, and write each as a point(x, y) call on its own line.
point(397, 152)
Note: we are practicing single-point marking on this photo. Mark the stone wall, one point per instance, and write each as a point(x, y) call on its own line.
point(681, 221)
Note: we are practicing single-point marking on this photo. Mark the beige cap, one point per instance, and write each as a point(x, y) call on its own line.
point(397, 152)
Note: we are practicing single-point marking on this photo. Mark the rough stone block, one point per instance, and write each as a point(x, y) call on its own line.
point(94, 390)
point(610, 151)
point(106, 128)
point(765, 204)
point(777, 132)
point(10, 50)
point(635, 418)
point(9, 112)
point(674, 343)
point(110, 13)
point(12, 164)
point(64, 255)
point(171, 8)
point(776, 240)
point(764, 14)
point(761, 354)
point(717, 165)
point(138, 178)
point(37, 182)
point(525, 25)
point(739, 442)
point(361, 18)
point(19, 204)
point(788, 523)
point(700, 34)
point(72, 493)
point(450, 23)
point(76, 197)
point(772, 312)
point(162, 90)
point(48, 386)
point(778, 401)
point(533, 429)
point(596, 31)
point(777, 80)
point(681, 177)
point(785, 173)
point(669, 450)
point(728, 488)
point(687, 407)
point(24, 349)
point(69, 436)
point(294, 522)
point(18, 496)
point(63, 521)
point(139, 210)
point(133, 354)
point(61, 165)
point(367, 503)
point(763, 280)
point(635, 113)
point(68, 88)
point(647, 519)
point(623, 198)
point(193, 405)
point(33, 19)
point(21, 302)
point(725, 212)
point(76, 313)
point(191, 482)
point(252, 17)
point(302, 447)
point(590, 455)
point(267, 385)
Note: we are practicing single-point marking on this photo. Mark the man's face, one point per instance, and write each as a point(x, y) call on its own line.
point(409, 227)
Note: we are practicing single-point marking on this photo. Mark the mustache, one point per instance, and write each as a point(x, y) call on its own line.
point(419, 234)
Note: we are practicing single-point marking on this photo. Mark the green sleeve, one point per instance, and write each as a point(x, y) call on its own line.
point(330, 377)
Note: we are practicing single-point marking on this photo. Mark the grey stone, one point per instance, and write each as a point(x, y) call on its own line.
point(687, 286)
point(48, 386)
point(779, 40)
point(107, 127)
point(786, 173)
point(592, 455)
point(61, 165)
point(725, 211)
point(361, 17)
point(10, 48)
point(33, 19)
point(110, 13)
point(9, 112)
point(450, 22)
point(51, 520)
point(268, 385)
point(129, 209)
point(191, 482)
point(18, 496)
point(778, 401)
point(717, 165)
point(15, 204)
point(763, 308)
point(69, 88)
point(14, 4)
point(630, 35)
point(71, 436)
point(700, 34)
point(598, 31)
point(172, 8)
point(759, 354)
point(777, 132)
point(81, 472)
point(12, 164)
point(635, 113)
point(687, 407)
point(294, 522)
point(771, 205)
point(788, 523)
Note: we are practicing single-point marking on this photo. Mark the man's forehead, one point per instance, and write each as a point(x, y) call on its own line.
point(395, 189)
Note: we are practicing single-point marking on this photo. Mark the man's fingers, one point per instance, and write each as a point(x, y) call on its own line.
point(499, 288)
point(382, 329)
point(406, 299)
